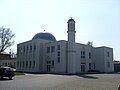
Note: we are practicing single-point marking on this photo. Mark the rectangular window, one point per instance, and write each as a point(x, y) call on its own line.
point(33, 64)
point(58, 47)
point(94, 66)
point(30, 48)
point(27, 49)
point(89, 55)
point(48, 62)
point(58, 53)
point(53, 49)
point(82, 54)
point(26, 63)
point(18, 50)
point(23, 64)
point(89, 66)
point(21, 51)
point(58, 59)
point(14, 64)
point(108, 54)
point(48, 49)
point(30, 64)
point(34, 47)
point(24, 50)
point(52, 64)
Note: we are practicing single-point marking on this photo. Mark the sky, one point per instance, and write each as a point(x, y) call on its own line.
point(97, 21)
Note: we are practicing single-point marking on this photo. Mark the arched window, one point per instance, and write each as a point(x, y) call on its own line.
point(83, 53)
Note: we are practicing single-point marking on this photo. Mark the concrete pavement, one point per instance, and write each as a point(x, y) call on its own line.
point(62, 82)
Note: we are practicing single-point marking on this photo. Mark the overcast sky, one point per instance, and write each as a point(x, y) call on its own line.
point(97, 21)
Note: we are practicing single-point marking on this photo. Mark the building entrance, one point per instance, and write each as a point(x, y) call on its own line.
point(82, 67)
point(48, 66)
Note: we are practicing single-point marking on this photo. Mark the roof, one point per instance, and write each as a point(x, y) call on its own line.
point(45, 36)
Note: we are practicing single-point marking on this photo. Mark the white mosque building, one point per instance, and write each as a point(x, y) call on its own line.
point(43, 54)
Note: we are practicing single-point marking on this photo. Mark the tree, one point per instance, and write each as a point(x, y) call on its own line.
point(6, 38)
point(90, 43)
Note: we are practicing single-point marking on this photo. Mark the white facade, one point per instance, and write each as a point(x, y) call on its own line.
point(50, 56)
point(8, 62)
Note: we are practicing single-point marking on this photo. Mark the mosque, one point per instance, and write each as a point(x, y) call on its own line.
point(43, 54)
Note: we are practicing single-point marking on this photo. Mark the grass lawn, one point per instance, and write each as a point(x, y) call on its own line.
point(19, 73)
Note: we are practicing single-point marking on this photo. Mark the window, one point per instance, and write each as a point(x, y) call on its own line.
point(58, 47)
point(30, 64)
point(34, 47)
point(94, 66)
point(48, 49)
point(3, 63)
point(108, 54)
point(24, 50)
point(53, 49)
point(58, 53)
point(83, 54)
point(89, 66)
point(108, 64)
point(89, 55)
point(72, 26)
point(21, 50)
point(52, 64)
point(23, 64)
point(30, 48)
point(33, 63)
point(26, 63)
point(27, 49)
point(18, 50)
point(14, 64)
point(58, 59)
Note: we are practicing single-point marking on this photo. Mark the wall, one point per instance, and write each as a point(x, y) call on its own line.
point(86, 60)
point(59, 67)
point(101, 59)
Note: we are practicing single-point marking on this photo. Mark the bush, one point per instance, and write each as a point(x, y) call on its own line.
point(19, 73)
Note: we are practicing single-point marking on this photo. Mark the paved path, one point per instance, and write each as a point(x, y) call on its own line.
point(62, 82)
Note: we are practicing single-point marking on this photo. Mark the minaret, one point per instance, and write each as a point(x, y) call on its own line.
point(71, 46)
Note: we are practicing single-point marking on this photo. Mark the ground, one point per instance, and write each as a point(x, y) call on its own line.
point(62, 82)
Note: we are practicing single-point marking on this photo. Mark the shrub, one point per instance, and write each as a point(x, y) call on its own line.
point(119, 87)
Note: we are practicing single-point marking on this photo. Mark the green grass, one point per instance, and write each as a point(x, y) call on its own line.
point(19, 73)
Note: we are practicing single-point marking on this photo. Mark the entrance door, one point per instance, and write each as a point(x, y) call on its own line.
point(48, 66)
point(82, 67)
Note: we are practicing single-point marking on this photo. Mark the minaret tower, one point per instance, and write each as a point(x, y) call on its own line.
point(71, 46)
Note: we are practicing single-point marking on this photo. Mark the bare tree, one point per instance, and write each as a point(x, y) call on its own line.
point(90, 43)
point(6, 38)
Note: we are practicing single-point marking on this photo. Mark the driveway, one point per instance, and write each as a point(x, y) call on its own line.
point(62, 82)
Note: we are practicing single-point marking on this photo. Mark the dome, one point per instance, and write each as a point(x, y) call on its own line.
point(45, 36)
point(71, 20)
